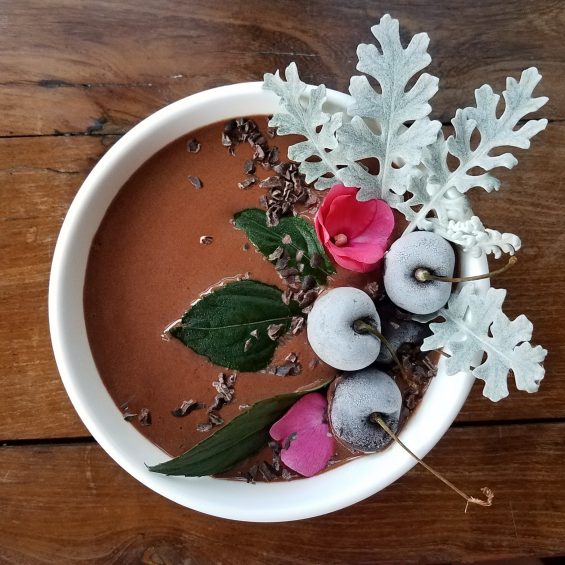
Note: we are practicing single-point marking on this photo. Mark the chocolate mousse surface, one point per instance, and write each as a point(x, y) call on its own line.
point(165, 240)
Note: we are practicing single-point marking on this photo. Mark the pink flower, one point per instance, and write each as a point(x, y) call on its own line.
point(304, 435)
point(354, 233)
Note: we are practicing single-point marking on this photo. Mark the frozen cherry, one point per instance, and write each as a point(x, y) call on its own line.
point(425, 251)
point(331, 333)
point(398, 332)
point(356, 397)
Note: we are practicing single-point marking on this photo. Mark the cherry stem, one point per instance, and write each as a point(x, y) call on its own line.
point(363, 327)
point(375, 417)
point(423, 275)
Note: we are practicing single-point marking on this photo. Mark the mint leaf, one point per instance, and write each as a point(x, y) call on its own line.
point(238, 439)
point(303, 241)
point(219, 325)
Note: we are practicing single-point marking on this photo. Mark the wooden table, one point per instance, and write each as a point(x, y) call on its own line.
point(74, 76)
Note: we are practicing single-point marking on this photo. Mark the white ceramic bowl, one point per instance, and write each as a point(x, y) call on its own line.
point(237, 500)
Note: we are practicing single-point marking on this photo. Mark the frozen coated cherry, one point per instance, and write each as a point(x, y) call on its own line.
point(398, 332)
point(330, 329)
point(358, 395)
point(419, 250)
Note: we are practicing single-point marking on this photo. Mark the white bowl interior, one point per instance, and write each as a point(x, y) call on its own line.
point(329, 491)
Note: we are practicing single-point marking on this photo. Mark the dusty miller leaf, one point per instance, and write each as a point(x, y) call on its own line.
point(303, 115)
point(474, 238)
point(474, 326)
point(444, 187)
point(391, 108)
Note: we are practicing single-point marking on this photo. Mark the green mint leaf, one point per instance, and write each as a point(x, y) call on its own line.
point(238, 439)
point(303, 243)
point(220, 325)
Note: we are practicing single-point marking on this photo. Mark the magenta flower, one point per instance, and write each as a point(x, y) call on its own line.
point(304, 435)
point(354, 233)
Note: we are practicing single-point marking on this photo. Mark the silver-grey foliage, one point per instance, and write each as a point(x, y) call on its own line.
point(390, 123)
point(474, 326)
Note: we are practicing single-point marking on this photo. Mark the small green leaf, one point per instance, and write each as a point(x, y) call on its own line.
point(238, 439)
point(219, 325)
point(303, 240)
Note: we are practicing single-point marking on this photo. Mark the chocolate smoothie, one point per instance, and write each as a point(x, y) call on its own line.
point(166, 238)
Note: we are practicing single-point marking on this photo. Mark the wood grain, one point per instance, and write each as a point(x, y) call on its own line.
point(103, 66)
point(71, 503)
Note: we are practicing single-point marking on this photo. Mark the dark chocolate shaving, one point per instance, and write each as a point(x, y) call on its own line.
point(206, 239)
point(249, 167)
point(296, 325)
point(251, 474)
point(288, 368)
point(308, 283)
point(267, 471)
point(204, 427)
point(276, 254)
point(372, 289)
point(287, 475)
point(193, 146)
point(249, 181)
point(186, 407)
point(215, 419)
point(195, 181)
point(129, 416)
point(144, 417)
point(273, 331)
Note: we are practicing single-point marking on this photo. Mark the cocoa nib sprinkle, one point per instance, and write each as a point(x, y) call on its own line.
point(186, 407)
point(273, 331)
point(269, 471)
point(215, 419)
point(195, 181)
point(290, 367)
point(372, 289)
point(248, 182)
point(244, 130)
point(225, 389)
point(144, 417)
point(193, 146)
point(286, 189)
point(249, 167)
point(420, 369)
point(128, 416)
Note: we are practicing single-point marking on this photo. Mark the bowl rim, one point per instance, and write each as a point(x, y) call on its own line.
point(273, 502)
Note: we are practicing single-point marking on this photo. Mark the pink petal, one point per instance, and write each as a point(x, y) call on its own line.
point(379, 230)
point(305, 429)
point(363, 252)
point(349, 216)
point(347, 262)
point(368, 226)
point(336, 191)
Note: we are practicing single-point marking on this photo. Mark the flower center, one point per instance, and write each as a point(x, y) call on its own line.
point(340, 240)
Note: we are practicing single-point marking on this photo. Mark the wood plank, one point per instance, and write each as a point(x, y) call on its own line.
point(106, 65)
point(39, 177)
point(72, 503)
